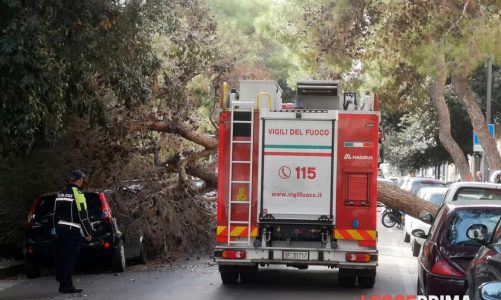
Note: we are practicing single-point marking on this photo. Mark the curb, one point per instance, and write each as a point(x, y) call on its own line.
point(11, 271)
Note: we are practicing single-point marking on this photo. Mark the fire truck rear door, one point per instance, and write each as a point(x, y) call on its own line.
point(297, 165)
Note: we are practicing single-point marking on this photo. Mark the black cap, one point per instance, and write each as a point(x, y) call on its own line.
point(76, 175)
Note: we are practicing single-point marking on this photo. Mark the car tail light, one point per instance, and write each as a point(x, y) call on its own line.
point(106, 245)
point(105, 208)
point(358, 257)
point(234, 254)
point(31, 215)
point(442, 267)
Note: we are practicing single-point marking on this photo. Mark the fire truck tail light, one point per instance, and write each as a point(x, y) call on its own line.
point(234, 254)
point(358, 257)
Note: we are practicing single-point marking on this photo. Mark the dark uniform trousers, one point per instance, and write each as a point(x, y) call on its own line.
point(68, 247)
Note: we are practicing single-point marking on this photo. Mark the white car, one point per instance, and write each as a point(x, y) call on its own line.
point(415, 184)
point(432, 194)
point(470, 190)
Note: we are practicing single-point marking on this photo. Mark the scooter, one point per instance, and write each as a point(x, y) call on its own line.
point(391, 217)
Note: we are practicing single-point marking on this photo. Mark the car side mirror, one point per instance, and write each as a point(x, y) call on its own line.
point(426, 217)
point(490, 290)
point(419, 233)
point(477, 232)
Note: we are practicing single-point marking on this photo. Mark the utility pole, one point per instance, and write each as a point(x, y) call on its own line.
point(485, 171)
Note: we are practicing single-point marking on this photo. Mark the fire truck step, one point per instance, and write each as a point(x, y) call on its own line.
point(241, 161)
point(239, 222)
point(239, 202)
point(239, 242)
point(240, 181)
point(242, 122)
point(242, 142)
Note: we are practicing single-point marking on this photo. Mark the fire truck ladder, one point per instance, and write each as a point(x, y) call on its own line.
point(244, 107)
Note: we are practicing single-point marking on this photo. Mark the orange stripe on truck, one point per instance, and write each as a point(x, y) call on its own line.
point(355, 234)
point(236, 231)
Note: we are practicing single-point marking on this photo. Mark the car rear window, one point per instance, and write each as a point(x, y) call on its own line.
point(469, 193)
point(93, 204)
point(467, 217)
point(45, 208)
point(417, 185)
point(437, 199)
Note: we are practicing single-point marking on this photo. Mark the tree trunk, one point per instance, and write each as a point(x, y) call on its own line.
point(460, 84)
point(402, 200)
point(183, 130)
point(437, 91)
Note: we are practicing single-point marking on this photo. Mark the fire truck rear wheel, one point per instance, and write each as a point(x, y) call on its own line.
point(347, 281)
point(248, 274)
point(346, 278)
point(229, 274)
point(366, 282)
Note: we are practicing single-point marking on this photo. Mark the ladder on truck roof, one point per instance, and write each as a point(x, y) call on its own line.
point(243, 107)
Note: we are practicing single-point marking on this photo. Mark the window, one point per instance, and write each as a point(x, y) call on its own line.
point(467, 217)
point(468, 193)
point(417, 185)
point(45, 209)
point(437, 199)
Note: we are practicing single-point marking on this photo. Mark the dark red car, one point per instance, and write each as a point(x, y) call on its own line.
point(447, 252)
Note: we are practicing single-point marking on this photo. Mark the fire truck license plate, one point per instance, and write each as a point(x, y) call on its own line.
point(296, 255)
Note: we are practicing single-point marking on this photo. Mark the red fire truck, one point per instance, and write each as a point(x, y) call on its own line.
point(297, 186)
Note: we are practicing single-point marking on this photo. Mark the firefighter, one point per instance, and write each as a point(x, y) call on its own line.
point(71, 221)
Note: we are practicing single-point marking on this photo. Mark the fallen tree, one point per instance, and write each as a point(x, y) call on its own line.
point(402, 200)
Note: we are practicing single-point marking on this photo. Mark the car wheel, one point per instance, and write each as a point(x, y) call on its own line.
point(118, 257)
point(366, 282)
point(407, 237)
point(32, 269)
point(415, 248)
point(248, 274)
point(229, 275)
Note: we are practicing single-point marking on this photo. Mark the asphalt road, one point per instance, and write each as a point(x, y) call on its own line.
point(198, 280)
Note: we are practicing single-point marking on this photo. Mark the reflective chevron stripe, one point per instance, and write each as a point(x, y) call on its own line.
point(355, 234)
point(236, 231)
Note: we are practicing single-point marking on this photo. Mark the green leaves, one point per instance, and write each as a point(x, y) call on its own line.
point(57, 58)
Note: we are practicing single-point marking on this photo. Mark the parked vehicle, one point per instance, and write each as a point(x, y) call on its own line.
point(414, 184)
point(490, 291)
point(486, 266)
point(296, 187)
point(391, 217)
point(431, 194)
point(470, 190)
point(447, 251)
point(107, 244)
point(394, 179)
